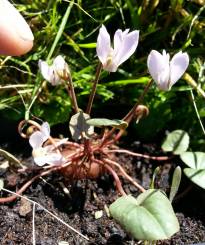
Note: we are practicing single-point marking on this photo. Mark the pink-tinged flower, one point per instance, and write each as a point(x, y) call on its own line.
point(55, 73)
point(125, 44)
point(165, 72)
point(45, 154)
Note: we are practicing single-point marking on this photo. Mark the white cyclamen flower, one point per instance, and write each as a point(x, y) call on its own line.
point(55, 73)
point(46, 154)
point(125, 44)
point(165, 72)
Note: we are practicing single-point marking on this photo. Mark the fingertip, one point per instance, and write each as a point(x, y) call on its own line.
point(16, 37)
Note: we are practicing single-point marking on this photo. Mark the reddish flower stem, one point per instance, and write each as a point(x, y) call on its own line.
point(94, 88)
point(72, 94)
point(115, 176)
point(127, 118)
point(157, 158)
point(125, 174)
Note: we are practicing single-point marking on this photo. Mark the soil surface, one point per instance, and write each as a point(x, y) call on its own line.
point(78, 203)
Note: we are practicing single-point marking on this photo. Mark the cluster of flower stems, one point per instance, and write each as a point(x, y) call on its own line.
point(88, 158)
point(91, 157)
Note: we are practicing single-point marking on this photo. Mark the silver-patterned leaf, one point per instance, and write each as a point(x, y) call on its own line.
point(79, 127)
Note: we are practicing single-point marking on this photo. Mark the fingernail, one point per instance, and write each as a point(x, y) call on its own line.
point(16, 19)
point(25, 32)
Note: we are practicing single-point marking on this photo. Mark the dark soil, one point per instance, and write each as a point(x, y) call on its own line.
point(78, 207)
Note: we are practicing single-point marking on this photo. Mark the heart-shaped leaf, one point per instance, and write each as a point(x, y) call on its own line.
point(177, 142)
point(79, 126)
point(149, 217)
point(195, 160)
point(196, 175)
point(104, 122)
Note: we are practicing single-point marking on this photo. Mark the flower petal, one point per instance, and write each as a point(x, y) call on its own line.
point(103, 45)
point(55, 80)
point(158, 66)
point(59, 63)
point(178, 66)
point(36, 140)
point(45, 130)
point(57, 144)
point(40, 161)
point(46, 70)
point(163, 78)
point(125, 45)
point(51, 159)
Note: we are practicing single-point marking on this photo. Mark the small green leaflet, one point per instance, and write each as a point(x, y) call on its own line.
point(177, 141)
point(104, 122)
point(176, 180)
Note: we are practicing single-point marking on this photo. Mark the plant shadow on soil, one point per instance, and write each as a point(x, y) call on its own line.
point(85, 197)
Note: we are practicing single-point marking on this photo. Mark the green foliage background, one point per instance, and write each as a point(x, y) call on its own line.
point(171, 25)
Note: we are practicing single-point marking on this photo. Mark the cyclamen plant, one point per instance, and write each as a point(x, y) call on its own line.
point(149, 216)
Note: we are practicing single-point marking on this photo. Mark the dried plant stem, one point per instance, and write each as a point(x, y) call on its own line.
point(25, 186)
point(197, 112)
point(47, 211)
point(33, 224)
point(108, 161)
point(193, 84)
point(94, 88)
point(157, 158)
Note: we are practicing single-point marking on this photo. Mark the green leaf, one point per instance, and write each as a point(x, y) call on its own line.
point(1, 184)
point(128, 81)
point(176, 179)
point(196, 175)
point(87, 45)
point(177, 142)
point(149, 217)
point(104, 122)
point(79, 126)
point(195, 160)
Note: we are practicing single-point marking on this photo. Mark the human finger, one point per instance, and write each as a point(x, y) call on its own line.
point(16, 37)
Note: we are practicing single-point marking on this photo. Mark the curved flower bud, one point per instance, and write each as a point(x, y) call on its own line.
point(57, 72)
point(46, 154)
point(165, 72)
point(125, 44)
